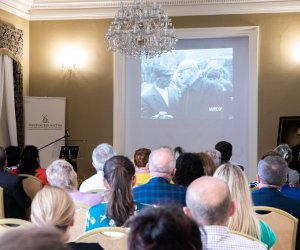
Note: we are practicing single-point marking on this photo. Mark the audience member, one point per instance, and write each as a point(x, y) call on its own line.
point(159, 190)
point(178, 151)
point(245, 219)
point(208, 163)
point(209, 203)
point(272, 174)
point(30, 164)
point(53, 206)
point(215, 155)
point(225, 148)
point(60, 173)
point(33, 238)
point(188, 168)
point(286, 153)
point(140, 159)
point(13, 154)
point(163, 228)
point(15, 199)
point(119, 179)
point(101, 154)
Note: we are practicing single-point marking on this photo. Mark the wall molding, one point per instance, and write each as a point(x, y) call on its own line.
point(80, 9)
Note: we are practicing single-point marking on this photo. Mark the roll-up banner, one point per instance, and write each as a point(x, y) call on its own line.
point(45, 123)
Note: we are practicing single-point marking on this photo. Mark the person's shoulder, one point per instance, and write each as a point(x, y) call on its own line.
point(99, 207)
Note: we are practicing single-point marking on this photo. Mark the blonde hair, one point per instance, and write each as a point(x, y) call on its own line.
point(208, 163)
point(52, 206)
point(244, 220)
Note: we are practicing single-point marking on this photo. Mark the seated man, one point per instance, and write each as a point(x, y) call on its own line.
point(209, 203)
point(101, 154)
point(272, 175)
point(159, 190)
point(15, 199)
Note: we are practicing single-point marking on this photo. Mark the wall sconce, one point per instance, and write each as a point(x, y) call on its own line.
point(71, 58)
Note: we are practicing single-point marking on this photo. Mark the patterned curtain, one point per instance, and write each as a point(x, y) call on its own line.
point(11, 44)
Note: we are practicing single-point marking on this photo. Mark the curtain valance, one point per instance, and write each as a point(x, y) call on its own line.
point(11, 41)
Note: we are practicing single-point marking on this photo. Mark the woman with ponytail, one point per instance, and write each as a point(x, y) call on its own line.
point(119, 179)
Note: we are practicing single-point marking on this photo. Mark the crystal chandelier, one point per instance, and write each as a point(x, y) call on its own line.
point(141, 29)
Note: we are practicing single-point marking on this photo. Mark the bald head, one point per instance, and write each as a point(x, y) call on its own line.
point(162, 163)
point(208, 201)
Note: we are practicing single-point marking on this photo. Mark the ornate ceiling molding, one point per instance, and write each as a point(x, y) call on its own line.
point(92, 9)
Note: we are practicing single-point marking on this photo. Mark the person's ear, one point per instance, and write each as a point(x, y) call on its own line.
point(232, 208)
point(106, 185)
point(72, 222)
point(258, 179)
point(173, 172)
point(133, 181)
point(187, 212)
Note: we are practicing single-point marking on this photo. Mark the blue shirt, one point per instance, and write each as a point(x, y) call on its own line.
point(291, 192)
point(96, 216)
point(159, 191)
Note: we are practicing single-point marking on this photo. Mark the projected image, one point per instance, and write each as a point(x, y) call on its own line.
point(188, 84)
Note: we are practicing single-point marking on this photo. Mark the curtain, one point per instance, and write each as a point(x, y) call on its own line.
point(11, 81)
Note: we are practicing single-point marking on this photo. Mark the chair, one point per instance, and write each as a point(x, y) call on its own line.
point(31, 184)
point(254, 188)
point(12, 223)
point(79, 221)
point(110, 238)
point(2, 213)
point(247, 236)
point(282, 223)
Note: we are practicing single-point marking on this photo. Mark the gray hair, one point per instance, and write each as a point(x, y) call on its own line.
point(2, 157)
point(273, 170)
point(285, 151)
point(60, 173)
point(162, 161)
point(101, 154)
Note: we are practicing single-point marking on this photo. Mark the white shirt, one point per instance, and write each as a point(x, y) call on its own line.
point(94, 182)
point(164, 94)
point(219, 238)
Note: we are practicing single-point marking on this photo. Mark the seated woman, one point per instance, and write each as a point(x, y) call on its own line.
point(244, 220)
point(140, 159)
point(166, 228)
point(30, 164)
point(60, 173)
point(119, 179)
point(53, 206)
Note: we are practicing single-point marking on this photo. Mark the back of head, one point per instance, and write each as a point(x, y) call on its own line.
point(141, 157)
point(215, 155)
point(225, 148)
point(163, 228)
point(188, 168)
point(244, 220)
point(178, 151)
point(119, 173)
point(269, 153)
point(285, 152)
point(209, 201)
point(33, 238)
point(29, 160)
point(60, 173)
point(13, 155)
point(101, 154)
point(272, 170)
point(2, 158)
point(208, 163)
point(52, 206)
point(161, 162)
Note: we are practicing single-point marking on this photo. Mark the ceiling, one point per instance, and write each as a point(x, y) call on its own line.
point(92, 9)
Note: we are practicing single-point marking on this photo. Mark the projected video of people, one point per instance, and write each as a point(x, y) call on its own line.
point(188, 84)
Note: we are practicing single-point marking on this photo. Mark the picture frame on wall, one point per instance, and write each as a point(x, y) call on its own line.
point(288, 129)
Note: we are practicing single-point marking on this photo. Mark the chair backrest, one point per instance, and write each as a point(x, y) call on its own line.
point(110, 238)
point(2, 213)
point(282, 223)
point(79, 221)
point(12, 223)
point(31, 184)
point(247, 236)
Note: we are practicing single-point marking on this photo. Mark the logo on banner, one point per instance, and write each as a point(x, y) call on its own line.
point(45, 124)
